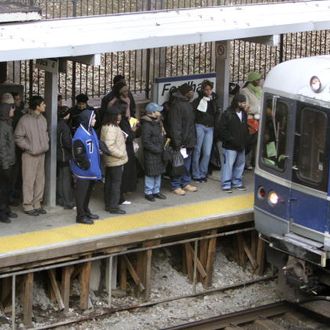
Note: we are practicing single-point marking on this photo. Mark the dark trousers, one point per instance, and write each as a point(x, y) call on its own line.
point(6, 177)
point(82, 192)
point(113, 176)
point(64, 185)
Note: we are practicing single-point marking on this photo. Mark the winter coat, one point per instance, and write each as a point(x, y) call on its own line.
point(114, 139)
point(153, 145)
point(233, 132)
point(182, 123)
point(206, 118)
point(7, 144)
point(64, 142)
point(31, 134)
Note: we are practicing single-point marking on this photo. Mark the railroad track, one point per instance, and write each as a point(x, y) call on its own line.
point(276, 316)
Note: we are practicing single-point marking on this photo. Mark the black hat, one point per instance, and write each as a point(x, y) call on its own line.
point(240, 98)
point(117, 78)
point(185, 89)
point(114, 110)
point(63, 111)
point(82, 98)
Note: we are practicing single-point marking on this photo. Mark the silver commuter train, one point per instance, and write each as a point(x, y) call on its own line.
point(292, 184)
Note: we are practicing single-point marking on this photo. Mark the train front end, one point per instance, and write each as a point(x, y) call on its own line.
point(292, 203)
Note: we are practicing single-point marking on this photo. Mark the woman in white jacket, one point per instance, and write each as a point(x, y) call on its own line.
point(114, 138)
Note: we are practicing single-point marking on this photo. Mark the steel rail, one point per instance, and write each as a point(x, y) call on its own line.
point(109, 311)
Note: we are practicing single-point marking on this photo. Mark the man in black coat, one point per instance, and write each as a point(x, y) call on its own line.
point(233, 130)
point(183, 135)
point(64, 185)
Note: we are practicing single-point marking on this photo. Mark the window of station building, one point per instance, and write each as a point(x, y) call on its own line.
point(310, 161)
point(274, 134)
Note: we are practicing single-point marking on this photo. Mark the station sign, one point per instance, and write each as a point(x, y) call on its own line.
point(163, 86)
point(49, 65)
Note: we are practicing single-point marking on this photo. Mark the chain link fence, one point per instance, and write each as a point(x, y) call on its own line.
point(140, 67)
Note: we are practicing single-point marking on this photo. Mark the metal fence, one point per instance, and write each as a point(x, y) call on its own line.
point(140, 67)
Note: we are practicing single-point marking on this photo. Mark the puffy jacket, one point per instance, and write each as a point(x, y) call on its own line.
point(233, 132)
point(31, 134)
point(113, 137)
point(153, 145)
point(182, 122)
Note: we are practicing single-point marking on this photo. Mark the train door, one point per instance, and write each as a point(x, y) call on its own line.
point(308, 198)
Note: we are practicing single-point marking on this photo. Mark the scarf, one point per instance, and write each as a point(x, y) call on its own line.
point(202, 106)
point(256, 90)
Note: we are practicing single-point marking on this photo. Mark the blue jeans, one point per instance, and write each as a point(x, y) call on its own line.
point(152, 184)
point(183, 180)
point(204, 145)
point(232, 168)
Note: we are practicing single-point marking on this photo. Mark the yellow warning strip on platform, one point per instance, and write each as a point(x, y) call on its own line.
point(129, 222)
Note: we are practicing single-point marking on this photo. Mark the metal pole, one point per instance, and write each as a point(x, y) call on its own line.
point(195, 266)
point(13, 298)
point(110, 281)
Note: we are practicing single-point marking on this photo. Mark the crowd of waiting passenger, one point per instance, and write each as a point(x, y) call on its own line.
point(178, 140)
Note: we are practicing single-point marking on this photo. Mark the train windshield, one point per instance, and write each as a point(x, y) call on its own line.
point(274, 134)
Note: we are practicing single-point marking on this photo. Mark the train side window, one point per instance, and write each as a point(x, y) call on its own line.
point(274, 134)
point(311, 163)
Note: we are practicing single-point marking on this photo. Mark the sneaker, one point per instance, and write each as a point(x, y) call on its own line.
point(32, 212)
point(160, 196)
point(190, 188)
point(117, 210)
point(41, 211)
point(179, 191)
point(11, 215)
point(241, 188)
point(249, 168)
point(227, 190)
point(149, 197)
point(126, 203)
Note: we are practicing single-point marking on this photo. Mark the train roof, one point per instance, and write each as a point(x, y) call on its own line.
point(294, 77)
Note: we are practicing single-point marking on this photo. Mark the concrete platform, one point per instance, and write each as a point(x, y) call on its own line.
point(36, 239)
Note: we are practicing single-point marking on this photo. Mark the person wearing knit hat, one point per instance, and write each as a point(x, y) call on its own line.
point(77, 109)
point(7, 161)
point(118, 79)
point(181, 126)
point(7, 98)
point(233, 132)
point(253, 91)
point(64, 184)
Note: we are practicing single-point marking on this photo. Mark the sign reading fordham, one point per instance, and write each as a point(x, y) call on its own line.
point(163, 86)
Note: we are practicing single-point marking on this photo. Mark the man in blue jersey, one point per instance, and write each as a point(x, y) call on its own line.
point(85, 165)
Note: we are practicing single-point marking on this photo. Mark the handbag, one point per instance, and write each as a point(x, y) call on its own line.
point(178, 168)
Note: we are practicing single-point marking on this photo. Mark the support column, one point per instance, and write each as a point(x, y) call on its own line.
point(222, 68)
point(51, 86)
point(3, 72)
point(27, 299)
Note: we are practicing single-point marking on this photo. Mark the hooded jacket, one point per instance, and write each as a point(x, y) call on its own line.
point(182, 123)
point(7, 144)
point(86, 153)
point(31, 134)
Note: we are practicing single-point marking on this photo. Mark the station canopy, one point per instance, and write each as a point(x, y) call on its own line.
point(103, 34)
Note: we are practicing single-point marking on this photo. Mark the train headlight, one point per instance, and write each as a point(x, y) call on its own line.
point(315, 84)
point(261, 193)
point(273, 198)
